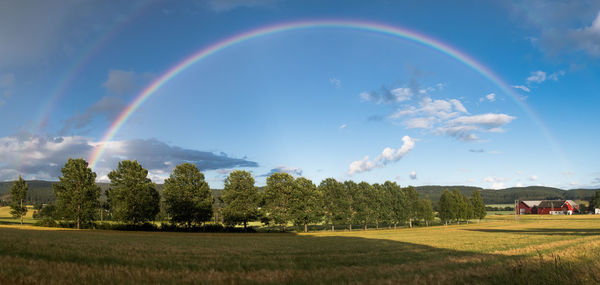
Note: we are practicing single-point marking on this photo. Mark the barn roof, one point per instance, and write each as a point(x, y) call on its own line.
point(551, 204)
point(572, 203)
point(531, 204)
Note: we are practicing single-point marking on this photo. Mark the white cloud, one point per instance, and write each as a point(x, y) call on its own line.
point(488, 121)
point(490, 97)
point(413, 175)
point(519, 184)
point(343, 126)
point(537, 77)
point(388, 155)
point(335, 82)
point(533, 178)
point(496, 182)
point(522, 87)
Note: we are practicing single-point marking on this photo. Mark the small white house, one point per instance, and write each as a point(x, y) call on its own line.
point(597, 211)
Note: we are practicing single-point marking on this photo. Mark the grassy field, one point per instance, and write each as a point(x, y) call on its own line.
point(6, 218)
point(499, 250)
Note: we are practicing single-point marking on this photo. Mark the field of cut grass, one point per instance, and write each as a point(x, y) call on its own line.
point(499, 250)
point(6, 218)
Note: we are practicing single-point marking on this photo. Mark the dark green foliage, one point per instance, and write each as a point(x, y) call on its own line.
point(479, 211)
point(132, 195)
point(336, 202)
point(306, 204)
point(77, 193)
point(278, 198)
point(595, 202)
point(395, 207)
point(351, 192)
point(241, 198)
point(188, 198)
point(411, 202)
point(425, 211)
point(383, 203)
point(447, 207)
point(48, 211)
point(364, 204)
point(18, 194)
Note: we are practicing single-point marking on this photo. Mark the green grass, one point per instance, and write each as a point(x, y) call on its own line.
point(499, 250)
point(6, 217)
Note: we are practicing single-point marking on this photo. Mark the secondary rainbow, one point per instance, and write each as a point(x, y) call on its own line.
point(379, 28)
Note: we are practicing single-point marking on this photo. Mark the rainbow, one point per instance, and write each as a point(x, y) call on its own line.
point(392, 31)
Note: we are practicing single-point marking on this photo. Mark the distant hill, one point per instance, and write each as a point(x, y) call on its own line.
point(41, 191)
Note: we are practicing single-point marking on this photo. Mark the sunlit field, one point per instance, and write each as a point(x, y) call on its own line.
point(500, 249)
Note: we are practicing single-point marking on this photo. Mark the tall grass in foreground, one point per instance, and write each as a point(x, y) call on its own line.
point(532, 250)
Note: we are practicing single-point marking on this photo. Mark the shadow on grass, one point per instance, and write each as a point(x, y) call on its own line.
point(250, 258)
point(542, 231)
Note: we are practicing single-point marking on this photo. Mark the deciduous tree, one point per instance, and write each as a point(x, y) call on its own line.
point(77, 195)
point(306, 203)
point(335, 202)
point(18, 194)
point(278, 198)
point(241, 198)
point(188, 198)
point(478, 206)
point(133, 196)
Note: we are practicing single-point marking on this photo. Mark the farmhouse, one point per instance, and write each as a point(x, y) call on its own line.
point(547, 207)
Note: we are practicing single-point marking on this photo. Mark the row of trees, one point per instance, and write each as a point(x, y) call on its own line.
point(454, 206)
point(188, 201)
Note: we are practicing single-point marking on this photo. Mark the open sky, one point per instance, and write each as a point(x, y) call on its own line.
point(486, 93)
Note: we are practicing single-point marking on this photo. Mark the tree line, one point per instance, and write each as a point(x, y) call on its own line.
point(187, 200)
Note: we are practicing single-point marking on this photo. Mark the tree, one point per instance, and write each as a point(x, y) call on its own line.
point(77, 193)
point(411, 202)
point(447, 207)
point(306, 204)
point(351, 192)
point(241, 198)
point(395, 207)
point(132, 195)
point(188, 198)
point(278, 197)
point(18, 194)
point(461, 207)
point(479, 211)
point(335, 202)
point(363, 204)
point(595, 202)
point(425, 211)
point(383, 203)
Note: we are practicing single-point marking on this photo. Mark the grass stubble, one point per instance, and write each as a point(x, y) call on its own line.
point(498, 250)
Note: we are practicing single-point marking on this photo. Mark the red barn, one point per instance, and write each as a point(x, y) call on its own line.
point(548, 207)
point(526, 207)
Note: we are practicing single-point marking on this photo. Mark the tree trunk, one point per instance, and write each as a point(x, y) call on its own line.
point(395, 225)
point(332, 228)
point(78, 216)
point(21, 212)
point(410, 223)
point(245, 225)
point(350, 227)
point(78, 222)
point(305, 228)
point(376, 224)
point(284, 228)
point(365, 226)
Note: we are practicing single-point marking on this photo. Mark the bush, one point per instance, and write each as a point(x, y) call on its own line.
point(47, 222)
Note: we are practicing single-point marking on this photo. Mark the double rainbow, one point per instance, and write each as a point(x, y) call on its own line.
point(392, 31)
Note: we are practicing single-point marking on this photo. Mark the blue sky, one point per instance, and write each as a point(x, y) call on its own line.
point(323, 102)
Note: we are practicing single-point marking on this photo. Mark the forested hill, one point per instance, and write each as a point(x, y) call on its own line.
point(41, 191)
point(509, 195)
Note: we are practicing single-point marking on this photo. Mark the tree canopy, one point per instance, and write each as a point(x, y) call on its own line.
point(77, 195)
point(188, 198)
point(241, 198)
point(18, 194)
point(133, 196)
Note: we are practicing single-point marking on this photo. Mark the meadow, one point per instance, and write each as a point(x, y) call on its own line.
point(498, 250)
